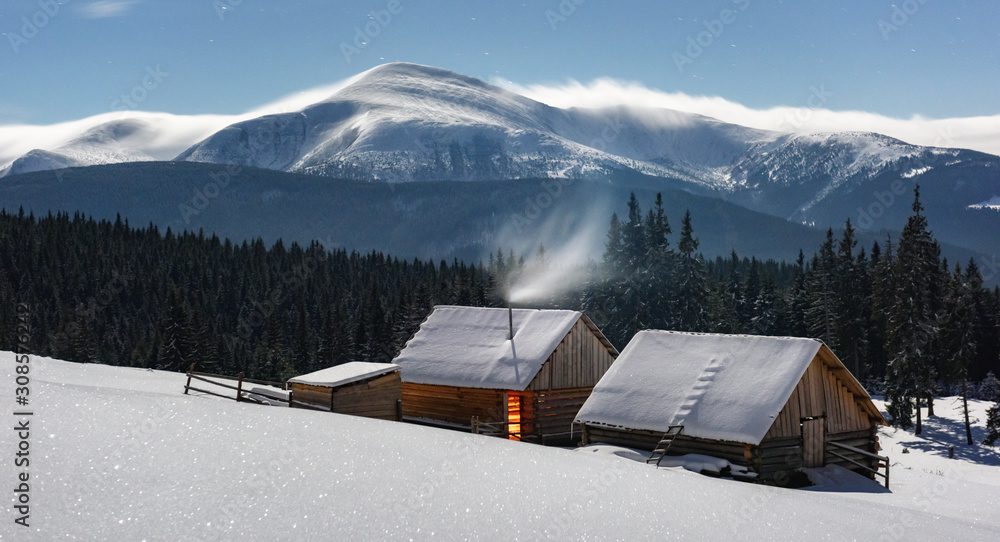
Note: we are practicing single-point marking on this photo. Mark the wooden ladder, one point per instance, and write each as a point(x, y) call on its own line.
point(664, 445)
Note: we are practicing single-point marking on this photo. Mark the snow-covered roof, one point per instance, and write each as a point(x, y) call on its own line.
point(721, 387)
point(338, 375)
point(470, 347)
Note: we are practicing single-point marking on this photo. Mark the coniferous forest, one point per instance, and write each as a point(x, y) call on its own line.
point(904, 320)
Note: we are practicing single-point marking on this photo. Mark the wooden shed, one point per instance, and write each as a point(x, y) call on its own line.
point(524, 371)
point(372, 390)
point(770, 404)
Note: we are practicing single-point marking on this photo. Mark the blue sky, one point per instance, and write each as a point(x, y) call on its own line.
point(934, 58)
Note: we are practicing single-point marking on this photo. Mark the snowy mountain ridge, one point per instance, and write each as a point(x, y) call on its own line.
point(400, 122)
point(405, 122)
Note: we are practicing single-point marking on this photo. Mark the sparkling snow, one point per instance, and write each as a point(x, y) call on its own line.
point(122, 454)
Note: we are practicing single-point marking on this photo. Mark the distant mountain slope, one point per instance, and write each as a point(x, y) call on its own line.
point(108, 143)
point(427, 220)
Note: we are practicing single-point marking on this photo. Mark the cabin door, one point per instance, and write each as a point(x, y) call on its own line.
point(813, 442)
point(513, 416)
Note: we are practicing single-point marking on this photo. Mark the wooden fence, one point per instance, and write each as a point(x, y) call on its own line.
point(880, 460)
point(240, 395)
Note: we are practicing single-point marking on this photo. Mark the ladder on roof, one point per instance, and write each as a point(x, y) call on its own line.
point(664, 445)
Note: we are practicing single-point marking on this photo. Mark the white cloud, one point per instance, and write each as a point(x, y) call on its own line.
point(106, 8)
point(171, 133)
point(977, 133)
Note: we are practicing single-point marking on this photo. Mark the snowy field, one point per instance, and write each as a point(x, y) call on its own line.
point(122, 454)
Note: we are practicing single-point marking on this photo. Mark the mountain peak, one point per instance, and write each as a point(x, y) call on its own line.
point(403, 83)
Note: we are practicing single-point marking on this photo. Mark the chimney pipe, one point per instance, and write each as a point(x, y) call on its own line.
point(510, 320)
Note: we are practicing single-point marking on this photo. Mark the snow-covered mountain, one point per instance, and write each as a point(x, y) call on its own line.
point(401, 122)
point(404, 122)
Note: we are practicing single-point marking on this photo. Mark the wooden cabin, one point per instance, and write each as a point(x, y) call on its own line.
point(770, 404)
point(372, 390)
point(523, 373)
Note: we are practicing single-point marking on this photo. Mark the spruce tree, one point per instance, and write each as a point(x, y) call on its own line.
point(849, 303)
point(690, 296)
point(993, 424)
point(819, 314)
point(798, 299)
point(176, 343)
point(958, 335)
point(911, 328)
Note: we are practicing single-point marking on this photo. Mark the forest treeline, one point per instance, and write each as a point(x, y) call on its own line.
point(903, 319)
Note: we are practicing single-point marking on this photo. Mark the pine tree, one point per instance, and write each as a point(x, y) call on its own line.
point(175, 347)
point(958, 338)
point(798, 299)
point(911, 328)
point(849, 323)
point(656, 280)
point(819, 315)
point(883, 286)
point(690, 296)
point(992, 424)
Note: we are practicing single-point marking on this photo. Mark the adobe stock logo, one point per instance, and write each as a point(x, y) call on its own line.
point(378, 21)
point(900, 16)
point(47, 10)
point(703, 40)
point(152, 80)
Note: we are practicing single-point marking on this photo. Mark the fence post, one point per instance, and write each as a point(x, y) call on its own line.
point(475, 424)
point(188, 385)
point(399, 410)
point(239, 387)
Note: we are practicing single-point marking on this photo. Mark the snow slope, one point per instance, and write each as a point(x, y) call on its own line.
point(122, 454)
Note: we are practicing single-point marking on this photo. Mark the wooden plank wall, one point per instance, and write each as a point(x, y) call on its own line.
point(819, 393)
point(372, 398)
point(553, 412)
point(375, 398)
point(579, 361)
point(453, 405)
point(314, 395)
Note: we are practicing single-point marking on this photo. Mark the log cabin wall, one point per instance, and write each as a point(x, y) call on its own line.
point(375, 398)
point(580, 360)
point(372, 398)
point(638, 439)
point(776, 455)
point(318, 396)
point(736, 453)
point(452, 404)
